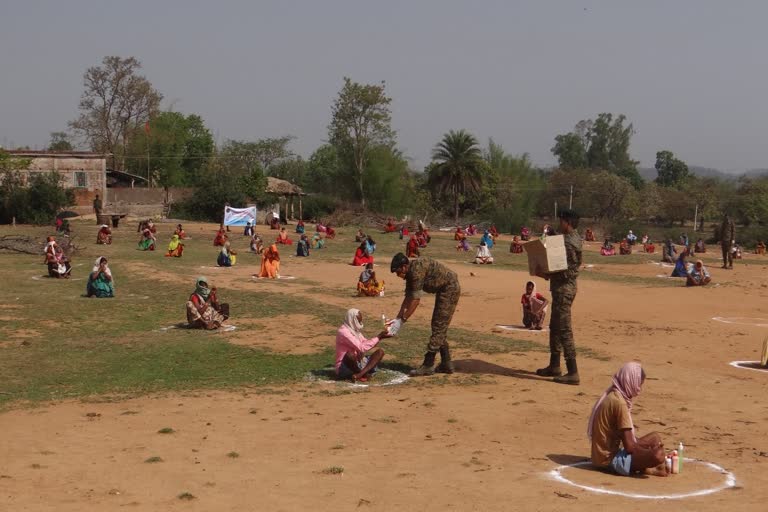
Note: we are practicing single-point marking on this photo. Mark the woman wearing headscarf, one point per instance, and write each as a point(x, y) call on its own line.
point(368, 285)
point(257, 244)
point(612, 431)
point(175, 247)
point(483, 255)
point(351, 346)
point(668, 251)
point(100, 282)
point(180, 231)
point(227, 256)
point(270, 263)
point(516, 247)
point(534, 307)
point(58, 263)
point(203, 308)
point(148, 239)
point(488, 239)
point(698, 275)
point(302, 247)
point(362, 257)
point(681, 266)
point(412, 247)
point(104, 236)
point(221, 236)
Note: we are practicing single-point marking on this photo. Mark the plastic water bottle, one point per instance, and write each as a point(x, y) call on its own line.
point(384, 320)
point(681, 456)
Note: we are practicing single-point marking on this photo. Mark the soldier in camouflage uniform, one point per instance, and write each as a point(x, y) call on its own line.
point(727, 238)
point(427, 275)
point(563, 287)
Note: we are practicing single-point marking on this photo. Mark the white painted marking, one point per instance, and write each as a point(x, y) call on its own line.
point(519, 328)
point(737, 364)
point(399, 378)
point(738, 320)
point(730, 481)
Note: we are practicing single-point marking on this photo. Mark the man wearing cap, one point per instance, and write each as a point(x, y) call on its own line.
point(562, 285)
point(428, 275)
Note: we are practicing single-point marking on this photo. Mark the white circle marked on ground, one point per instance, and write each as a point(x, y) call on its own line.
point(45, 278)
point(740, 365)
point(269, 279)
point(737, 320)
point(226, 328)
point(728, 482)
point(393, 378)
point(519, 328)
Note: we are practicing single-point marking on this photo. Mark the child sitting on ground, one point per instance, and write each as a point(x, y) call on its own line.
point(351, 346)
point(612, 432)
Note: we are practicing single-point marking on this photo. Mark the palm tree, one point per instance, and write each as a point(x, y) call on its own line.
point(458, 166)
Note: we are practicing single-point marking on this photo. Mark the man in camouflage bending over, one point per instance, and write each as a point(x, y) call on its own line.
point(427, 275)
point(563, 287)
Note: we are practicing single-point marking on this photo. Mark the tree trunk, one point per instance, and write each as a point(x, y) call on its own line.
point(456, 206)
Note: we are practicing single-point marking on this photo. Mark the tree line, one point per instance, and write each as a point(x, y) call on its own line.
point(120, 113)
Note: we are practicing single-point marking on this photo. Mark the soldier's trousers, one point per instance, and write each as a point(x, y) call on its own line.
point(727, 255)
point(560, 329)
point(445, 305)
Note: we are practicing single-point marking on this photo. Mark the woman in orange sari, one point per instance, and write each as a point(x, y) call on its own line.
point(270, 263)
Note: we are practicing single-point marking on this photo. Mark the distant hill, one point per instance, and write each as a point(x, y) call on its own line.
point(650, 174)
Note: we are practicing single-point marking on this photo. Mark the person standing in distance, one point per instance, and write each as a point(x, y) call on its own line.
point(431, 276)
point(727, 239)
point(97, 208)
point(563, 287)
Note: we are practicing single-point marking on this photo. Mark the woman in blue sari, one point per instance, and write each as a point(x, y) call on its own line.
point(488, 239)
point(227, 257)
point(681, 266)
point(302, 247)
point(100, 282)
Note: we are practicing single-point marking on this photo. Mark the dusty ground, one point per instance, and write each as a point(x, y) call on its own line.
point(423, 446)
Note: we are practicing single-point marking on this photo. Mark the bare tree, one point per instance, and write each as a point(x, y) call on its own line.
point(115, 101)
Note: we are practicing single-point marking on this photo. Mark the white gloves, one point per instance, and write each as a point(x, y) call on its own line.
point(393, 326)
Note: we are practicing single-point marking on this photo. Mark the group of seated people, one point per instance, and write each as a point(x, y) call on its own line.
point(695, 274)
point(368, 285)
point(58, 263)
point(325, 229)
point(101, 284)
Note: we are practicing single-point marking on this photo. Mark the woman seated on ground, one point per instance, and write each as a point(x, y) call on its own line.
point(330, 232)
point(300, 229)
point(147, 242)
point(534, 307)
point(368, 285)
point(302, 247)
point(257, 244)
point(248, 231)
point(645, 239)
point(360, 236)
point(203, 308)
point(487, 239)
point(58, 264)
point(463, 244)
point(589, 235)
point(104, 236)
point(62, 226)
point(180, 231)
point(483, 255)
point(607, 249)
point(320, 228)
point(548, 230)
point(681, 265)
point(525, 234)
point(698, 275)
point(274, 222)
point(471, 230)
point(625, 248)
point(175, 247)
point(631, 238)
point(282, 238)
point(100, 282)
point(150, 225)
point(390, 227)
point(270, 263)
point(736, 250)
point(362, 257)
point(227, 256)
point(318, 241)
point(370, 246)
point(516, 247)
point(412, 247)
point(700, 247)
point(648, 246)
point(668, 252)
point(221, 236)
point(760, 248)
point(459, 235)
point(494, 232)
point(351, 346)
point(612, 431)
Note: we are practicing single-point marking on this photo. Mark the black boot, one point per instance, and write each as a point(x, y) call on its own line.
point(553, 370)
point(445, 366)
point(572, 377)
point(427, 367)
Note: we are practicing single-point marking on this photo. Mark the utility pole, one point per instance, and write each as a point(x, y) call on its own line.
point(696, 218)
point(555, 209)
point(570, 199)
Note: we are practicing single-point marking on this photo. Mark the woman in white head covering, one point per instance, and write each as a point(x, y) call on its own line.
point(351, 346)
point(483, 256)
point(100, 282)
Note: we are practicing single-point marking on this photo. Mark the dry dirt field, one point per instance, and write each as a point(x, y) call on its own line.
point(484, 439)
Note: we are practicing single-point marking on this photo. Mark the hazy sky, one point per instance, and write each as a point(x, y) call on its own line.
point(690, 75)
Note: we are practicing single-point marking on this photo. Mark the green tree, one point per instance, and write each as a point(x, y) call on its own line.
point(115, 101)
point(361, 120)
point(458, 167)
point(672, 171)
point(325, 174)
point(570, 151)
point(60, 141)
point(291, 169)
point(273, 150)
point(36, 200)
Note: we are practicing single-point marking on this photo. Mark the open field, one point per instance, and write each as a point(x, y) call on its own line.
point(87, 385)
